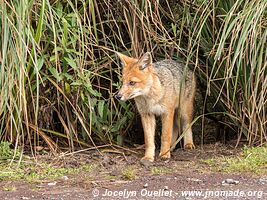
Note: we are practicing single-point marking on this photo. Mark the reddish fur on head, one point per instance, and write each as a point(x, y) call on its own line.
point(136, 76)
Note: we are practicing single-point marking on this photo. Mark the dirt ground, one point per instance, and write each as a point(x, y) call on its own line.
point(119, 175)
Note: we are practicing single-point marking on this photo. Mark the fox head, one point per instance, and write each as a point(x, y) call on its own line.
point(136, 76)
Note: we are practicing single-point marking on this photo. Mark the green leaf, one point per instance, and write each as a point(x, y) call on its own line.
point(39, 30)
point(115, 128)
point(72, 63)
point(95, 93)
point(55, 73)
point(67, 76)
point(119, 124)
point(92, 91)
point(76, 83)
point(40, 63)
point(67, 88)
point(119, 140)
point(100, 107)
point(59, 10)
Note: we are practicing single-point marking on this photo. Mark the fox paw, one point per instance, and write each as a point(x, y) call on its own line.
point(147, 161)
point(148, 158)
point(189, 146)
point(165, 156)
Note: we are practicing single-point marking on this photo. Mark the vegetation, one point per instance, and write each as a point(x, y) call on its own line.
point(250, 160)
point(59, 71)
point(6, 152)
point(129, 173)
point(32, 171)
point(161, 170)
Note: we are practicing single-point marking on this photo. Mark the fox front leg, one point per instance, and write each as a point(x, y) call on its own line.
point(166, 136)
point(149, 125)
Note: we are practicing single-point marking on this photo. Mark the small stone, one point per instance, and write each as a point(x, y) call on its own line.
point(166, 187)
point(40, 186)
point(166, 161)
point(230, 181)
point(94, 183)
point(145, 186)
point(24, 198)
point(263, 180)
point(194, 179)
point(64, 178)
point(52, 183)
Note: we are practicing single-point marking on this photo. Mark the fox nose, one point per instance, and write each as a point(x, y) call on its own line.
point(118, 96)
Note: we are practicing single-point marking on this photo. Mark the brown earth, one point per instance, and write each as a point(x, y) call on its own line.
point(185, 172)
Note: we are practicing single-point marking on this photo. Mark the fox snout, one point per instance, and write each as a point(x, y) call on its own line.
point(118, 96)
point(121, 95)
point(125, 94)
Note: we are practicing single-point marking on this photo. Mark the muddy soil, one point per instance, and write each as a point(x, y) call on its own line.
point(119, 175)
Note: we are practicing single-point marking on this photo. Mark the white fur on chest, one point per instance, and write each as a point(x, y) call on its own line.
point(145, 105)
point(157, 109)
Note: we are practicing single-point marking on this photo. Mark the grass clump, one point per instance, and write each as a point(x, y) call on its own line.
point(9, 188)
point(37, 172)
point(6, 152)
point(251, 159)
point(161, 170)
point(129, 173)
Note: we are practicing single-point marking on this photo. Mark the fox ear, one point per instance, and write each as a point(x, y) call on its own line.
point(124, 59)
point(145, 61)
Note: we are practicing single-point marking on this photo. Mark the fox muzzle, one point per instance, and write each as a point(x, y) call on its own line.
point(118, 96)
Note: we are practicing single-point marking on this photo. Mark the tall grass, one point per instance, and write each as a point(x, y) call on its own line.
point(230, 48)
point(56, 79)
point(59, 70)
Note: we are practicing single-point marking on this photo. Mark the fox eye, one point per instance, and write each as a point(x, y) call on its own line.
point(132, 83)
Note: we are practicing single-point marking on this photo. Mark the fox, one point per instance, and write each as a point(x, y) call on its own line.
point(166, 89)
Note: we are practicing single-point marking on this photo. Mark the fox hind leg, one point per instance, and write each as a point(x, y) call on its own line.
point(186, 116)
point(175, 129)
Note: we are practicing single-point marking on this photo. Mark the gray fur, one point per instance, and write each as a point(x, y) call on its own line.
point(174, 74)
